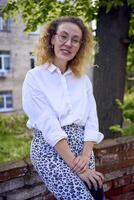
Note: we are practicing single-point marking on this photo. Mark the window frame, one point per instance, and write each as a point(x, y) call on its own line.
point(5, 25)
point(4, 95)
point(3, 56)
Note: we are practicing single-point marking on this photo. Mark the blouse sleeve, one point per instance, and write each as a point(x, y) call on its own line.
point(92, 127)
point(40, 113)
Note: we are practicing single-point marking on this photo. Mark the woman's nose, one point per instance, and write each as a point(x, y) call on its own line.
point(69, 42)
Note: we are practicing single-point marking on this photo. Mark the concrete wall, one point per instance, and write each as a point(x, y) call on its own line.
point(114, 158)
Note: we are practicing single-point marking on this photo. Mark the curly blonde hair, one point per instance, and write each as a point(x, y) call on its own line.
point(45, 53)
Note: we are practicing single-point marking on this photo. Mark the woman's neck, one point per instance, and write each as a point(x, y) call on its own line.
point(61, 65)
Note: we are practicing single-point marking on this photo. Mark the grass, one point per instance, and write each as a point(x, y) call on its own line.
point(15, 139)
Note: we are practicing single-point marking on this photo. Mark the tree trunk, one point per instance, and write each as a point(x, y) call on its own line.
point(109, 77)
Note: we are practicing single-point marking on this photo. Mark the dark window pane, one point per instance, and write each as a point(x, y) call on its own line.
point(1, 24)
point(8, 24)
point(0, 63)
point(4, 52)
point(32, 63)
point(5, 25)
point(9, 102)
point(1, 102)
point(7, 63)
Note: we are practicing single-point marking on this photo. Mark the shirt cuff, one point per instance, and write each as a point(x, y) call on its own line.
point(55, 137)
point(94, 136)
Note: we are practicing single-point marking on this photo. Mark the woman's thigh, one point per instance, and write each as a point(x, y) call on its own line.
point(55, 173)
point(61, 180)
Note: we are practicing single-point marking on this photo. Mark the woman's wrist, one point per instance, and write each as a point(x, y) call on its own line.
point(64, 151)
point(88, 147)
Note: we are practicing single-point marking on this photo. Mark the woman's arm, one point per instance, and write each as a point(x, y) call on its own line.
point(92, 133)
point(64, 151)
point(88, 147)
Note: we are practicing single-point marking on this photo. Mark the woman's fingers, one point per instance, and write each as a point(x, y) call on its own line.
point(79, 165)
point(88, 183)
point(93, 181)
point(100, 174)
point(98, 177)
point(83, 169)
point(92, 178)
point(76, 160)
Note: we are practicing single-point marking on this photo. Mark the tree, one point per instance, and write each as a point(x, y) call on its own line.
point(113, 19)
point(109, 78)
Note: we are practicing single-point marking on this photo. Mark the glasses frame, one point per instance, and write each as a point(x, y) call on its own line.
point(77, 44)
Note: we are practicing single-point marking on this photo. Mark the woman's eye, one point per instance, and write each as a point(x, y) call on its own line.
point(63, 36)
point(76, 41)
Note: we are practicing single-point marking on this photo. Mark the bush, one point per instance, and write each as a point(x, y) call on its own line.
point(128, 116)
point(14, 136)
point(128, 107)
point(13, 124)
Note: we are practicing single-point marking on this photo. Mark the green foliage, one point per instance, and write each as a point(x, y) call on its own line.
point(128, 115)
point(109, 4)
point(128, 107)
point(12, 124)
point(36, 12)
point(130, 58)
point(14, 137)
point(127, 131)
point(116, 129)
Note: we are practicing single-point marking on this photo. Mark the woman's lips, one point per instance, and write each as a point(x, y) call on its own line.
point(66, 51)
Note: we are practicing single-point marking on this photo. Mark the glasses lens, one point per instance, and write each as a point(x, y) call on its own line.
point(63, 37)
point(75, 42)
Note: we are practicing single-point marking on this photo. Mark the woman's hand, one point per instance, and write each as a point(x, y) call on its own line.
point(80, 164)
point(92, 177)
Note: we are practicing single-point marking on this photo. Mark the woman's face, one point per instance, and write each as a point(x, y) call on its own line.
point(66, 41)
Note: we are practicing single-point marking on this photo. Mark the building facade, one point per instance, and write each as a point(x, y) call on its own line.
point(15, 60)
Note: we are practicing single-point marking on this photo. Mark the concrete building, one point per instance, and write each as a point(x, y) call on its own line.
point(15, 61)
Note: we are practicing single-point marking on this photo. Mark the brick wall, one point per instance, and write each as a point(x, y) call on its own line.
point(114, 158)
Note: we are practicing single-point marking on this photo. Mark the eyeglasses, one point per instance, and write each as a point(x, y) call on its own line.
point(63, 38)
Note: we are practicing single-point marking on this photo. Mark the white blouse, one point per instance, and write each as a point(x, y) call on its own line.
point(52, 100)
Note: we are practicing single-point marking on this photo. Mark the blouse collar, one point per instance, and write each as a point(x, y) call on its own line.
point(52, 68)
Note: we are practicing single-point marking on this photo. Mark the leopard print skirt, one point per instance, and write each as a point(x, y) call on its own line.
point(55, 173)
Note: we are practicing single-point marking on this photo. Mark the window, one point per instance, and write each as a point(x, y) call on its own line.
point(32, 60)
point(4, 62)
point(6, 101)
point(5, 25)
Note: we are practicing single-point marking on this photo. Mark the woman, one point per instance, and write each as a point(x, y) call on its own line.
point(58, 99)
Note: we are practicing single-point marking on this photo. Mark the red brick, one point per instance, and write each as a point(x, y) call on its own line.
point(128, 188)
point(113, 192)
point(108, 158)
point(107, 186)
point(14, 173)
point(127, 196)
point(125, 180)
point(115, 166)
point(49, 197)
point(130, 153)
point(119, 190)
